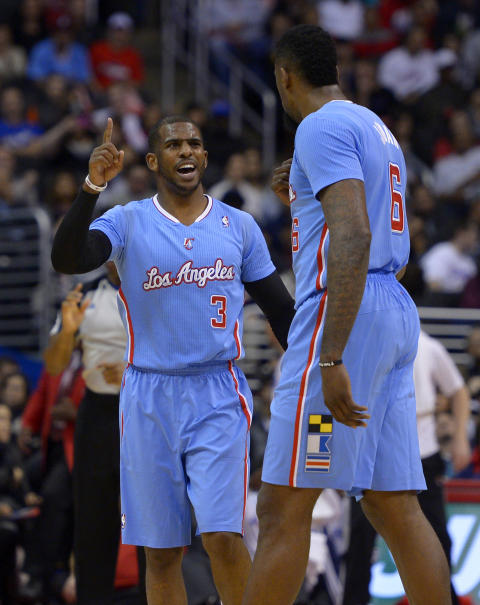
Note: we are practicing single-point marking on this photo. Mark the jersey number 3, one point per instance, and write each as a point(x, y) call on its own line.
point(397, 206)
point(221, 320)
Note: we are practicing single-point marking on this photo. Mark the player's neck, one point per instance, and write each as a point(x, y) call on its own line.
point(185, 209)
point(313, 99)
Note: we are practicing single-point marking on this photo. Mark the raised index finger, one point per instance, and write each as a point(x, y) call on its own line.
point(107, 135)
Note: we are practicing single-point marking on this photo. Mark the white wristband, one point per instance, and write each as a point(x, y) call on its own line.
point(95, 187)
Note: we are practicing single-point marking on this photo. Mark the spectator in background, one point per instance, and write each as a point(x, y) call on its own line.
point(115, 59)
point(125, 106)
point(14, 495)
point(234, 181)
point(14, 391)
point(473, 379)
point(409, 70)
point(16, 131)
point(457, 176)
point(29, 24)
point(16, 189)
point(474, 111)
point(24, 137)
point(434, 370)
point(51, 413)
point(60, 193)
point(264, 206)
point(417, 170)
point(366, 91)
point(342, 19)
point(54, 102)
point(448, 265)
point(434, 108)
point(60, 54)
point(13, 59)
point(8, 366)
point(375, 40)
point(237, 28)
point(136, 185)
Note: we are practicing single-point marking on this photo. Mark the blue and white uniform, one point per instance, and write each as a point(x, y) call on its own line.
point(306, 447)
point(185, 408)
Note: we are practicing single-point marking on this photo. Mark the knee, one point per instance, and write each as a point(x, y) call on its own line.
point(391, 510)
point(285, 509)
point(221, 544)
point(163, 559)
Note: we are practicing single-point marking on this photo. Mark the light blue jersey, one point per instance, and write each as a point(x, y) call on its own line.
point(346, 141)
point(182, 290)
point(306, 446)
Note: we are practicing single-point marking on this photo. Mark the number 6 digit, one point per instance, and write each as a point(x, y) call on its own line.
point(396, 208)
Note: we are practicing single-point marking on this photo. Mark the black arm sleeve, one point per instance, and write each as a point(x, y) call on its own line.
point(76, 249)
point(273, 298)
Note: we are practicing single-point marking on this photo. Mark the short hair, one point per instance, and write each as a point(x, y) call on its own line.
point(310, 50)
point(154, 134)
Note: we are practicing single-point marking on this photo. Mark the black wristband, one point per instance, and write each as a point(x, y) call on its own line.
point(330, 364)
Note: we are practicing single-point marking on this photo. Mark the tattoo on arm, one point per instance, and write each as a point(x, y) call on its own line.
point(346, 215)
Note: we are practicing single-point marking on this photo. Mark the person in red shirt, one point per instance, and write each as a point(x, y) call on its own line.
point(115, 59)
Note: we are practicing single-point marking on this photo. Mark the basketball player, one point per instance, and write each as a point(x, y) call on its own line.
point(343, 414)
point(184, 261)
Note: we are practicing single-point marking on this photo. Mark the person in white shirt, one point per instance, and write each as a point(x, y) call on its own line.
point(447, 266)
point(434, 371)
point(409, 70)
point(91, 320)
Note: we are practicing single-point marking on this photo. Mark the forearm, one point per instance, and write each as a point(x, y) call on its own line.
point(461, 411)
point(59, 352)
point(75, 248)
point(347, 271)
point(273, 298)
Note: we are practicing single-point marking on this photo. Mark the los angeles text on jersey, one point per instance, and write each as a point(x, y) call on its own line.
point(189, 275)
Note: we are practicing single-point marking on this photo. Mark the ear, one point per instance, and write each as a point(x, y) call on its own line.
point(205, 163)
point(285, 78)
point(152, 162)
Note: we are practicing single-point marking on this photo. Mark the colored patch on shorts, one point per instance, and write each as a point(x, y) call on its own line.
point(318, 456)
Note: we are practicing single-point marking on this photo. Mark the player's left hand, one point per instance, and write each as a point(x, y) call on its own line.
point(280, 181)
point(337, 393)
point(461, 453)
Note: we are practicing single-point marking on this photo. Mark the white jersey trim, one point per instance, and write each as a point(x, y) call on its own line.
point(172, 218)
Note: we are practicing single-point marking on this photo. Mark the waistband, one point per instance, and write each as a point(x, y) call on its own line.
point(380, 276)
point(213, 367)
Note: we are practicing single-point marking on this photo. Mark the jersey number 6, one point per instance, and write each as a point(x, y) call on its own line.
point(295, 235)
point(221, 301)
point(396, 208)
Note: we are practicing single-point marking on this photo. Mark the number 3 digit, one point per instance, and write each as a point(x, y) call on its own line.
point(396, 209)
point(216, 299)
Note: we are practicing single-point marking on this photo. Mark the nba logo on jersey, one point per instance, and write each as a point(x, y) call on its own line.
point(318, 457)
point(225, 221)
point(188, 243)
point(123, 519)
point(292, 194)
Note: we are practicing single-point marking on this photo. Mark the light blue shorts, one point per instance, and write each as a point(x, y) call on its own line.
point(306, 447)
point(184, 440)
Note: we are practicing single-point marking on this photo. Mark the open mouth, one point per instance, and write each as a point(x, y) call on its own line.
point(186, 169)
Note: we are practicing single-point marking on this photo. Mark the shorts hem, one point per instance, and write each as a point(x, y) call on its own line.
point(216, 529)
point(160, 543)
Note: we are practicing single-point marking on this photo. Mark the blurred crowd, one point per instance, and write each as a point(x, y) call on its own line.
point(66, 65)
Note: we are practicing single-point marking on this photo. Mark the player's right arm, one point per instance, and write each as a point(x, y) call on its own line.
point(76, 249)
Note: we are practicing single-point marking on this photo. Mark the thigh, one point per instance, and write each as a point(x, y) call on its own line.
point(306, 447)
point(217, 450)
point(155, 511)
